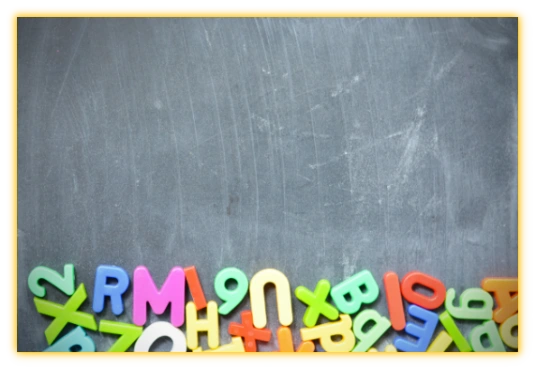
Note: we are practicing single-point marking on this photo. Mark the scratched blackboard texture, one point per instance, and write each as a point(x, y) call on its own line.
point(319, 147)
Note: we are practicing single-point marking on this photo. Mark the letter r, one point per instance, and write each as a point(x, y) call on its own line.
point(114, 291)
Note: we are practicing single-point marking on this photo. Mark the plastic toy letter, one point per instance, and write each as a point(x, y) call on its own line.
point(489, 329)
point(380, 326)
point(441, 343)
point(388, 348)
point(249, 333)
point(422, 333)
point(454, 332)
point(63, 283)
point(394, 301)
point(326, 332)
point(427, 302)
point(464, 311)
point(114, 291)
point(284, 297)
point(231, 297)
point(65, 314)
point(506, 331)
point(75, 338)
point(129, 334)
point(236, 345)
point(172, 292)
point(157, 330)
point(316, 302)
point(195, 288)
point(353, 286)
point(195, 325)
point(506, 294)
point(286, 344)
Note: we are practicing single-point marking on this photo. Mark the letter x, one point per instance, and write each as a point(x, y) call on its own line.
point(64, 314)
point(249, 333)
point(316, 303)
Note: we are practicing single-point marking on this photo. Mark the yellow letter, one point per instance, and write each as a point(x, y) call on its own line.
point(441, 343)
point(209, 325)
point(325, 333)
point(235, 346)
point(258, 303)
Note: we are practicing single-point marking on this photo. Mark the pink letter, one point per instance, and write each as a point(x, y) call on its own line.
point(172, 292)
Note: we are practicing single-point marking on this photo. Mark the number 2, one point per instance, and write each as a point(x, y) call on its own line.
point(63, 283)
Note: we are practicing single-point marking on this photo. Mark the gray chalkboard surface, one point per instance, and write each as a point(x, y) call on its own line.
point(316, 146)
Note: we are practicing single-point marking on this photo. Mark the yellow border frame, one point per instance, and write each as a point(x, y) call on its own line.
point(252, 8)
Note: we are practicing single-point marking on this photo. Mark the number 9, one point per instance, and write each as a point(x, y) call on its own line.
point(231, 297)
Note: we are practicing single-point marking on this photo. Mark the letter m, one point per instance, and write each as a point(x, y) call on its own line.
point(172, 292)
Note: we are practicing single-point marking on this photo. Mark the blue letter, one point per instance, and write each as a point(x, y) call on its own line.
point(114, 291)
point(422, 333)
point(76, 337)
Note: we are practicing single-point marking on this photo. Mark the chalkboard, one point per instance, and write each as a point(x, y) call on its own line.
point(319, 147)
